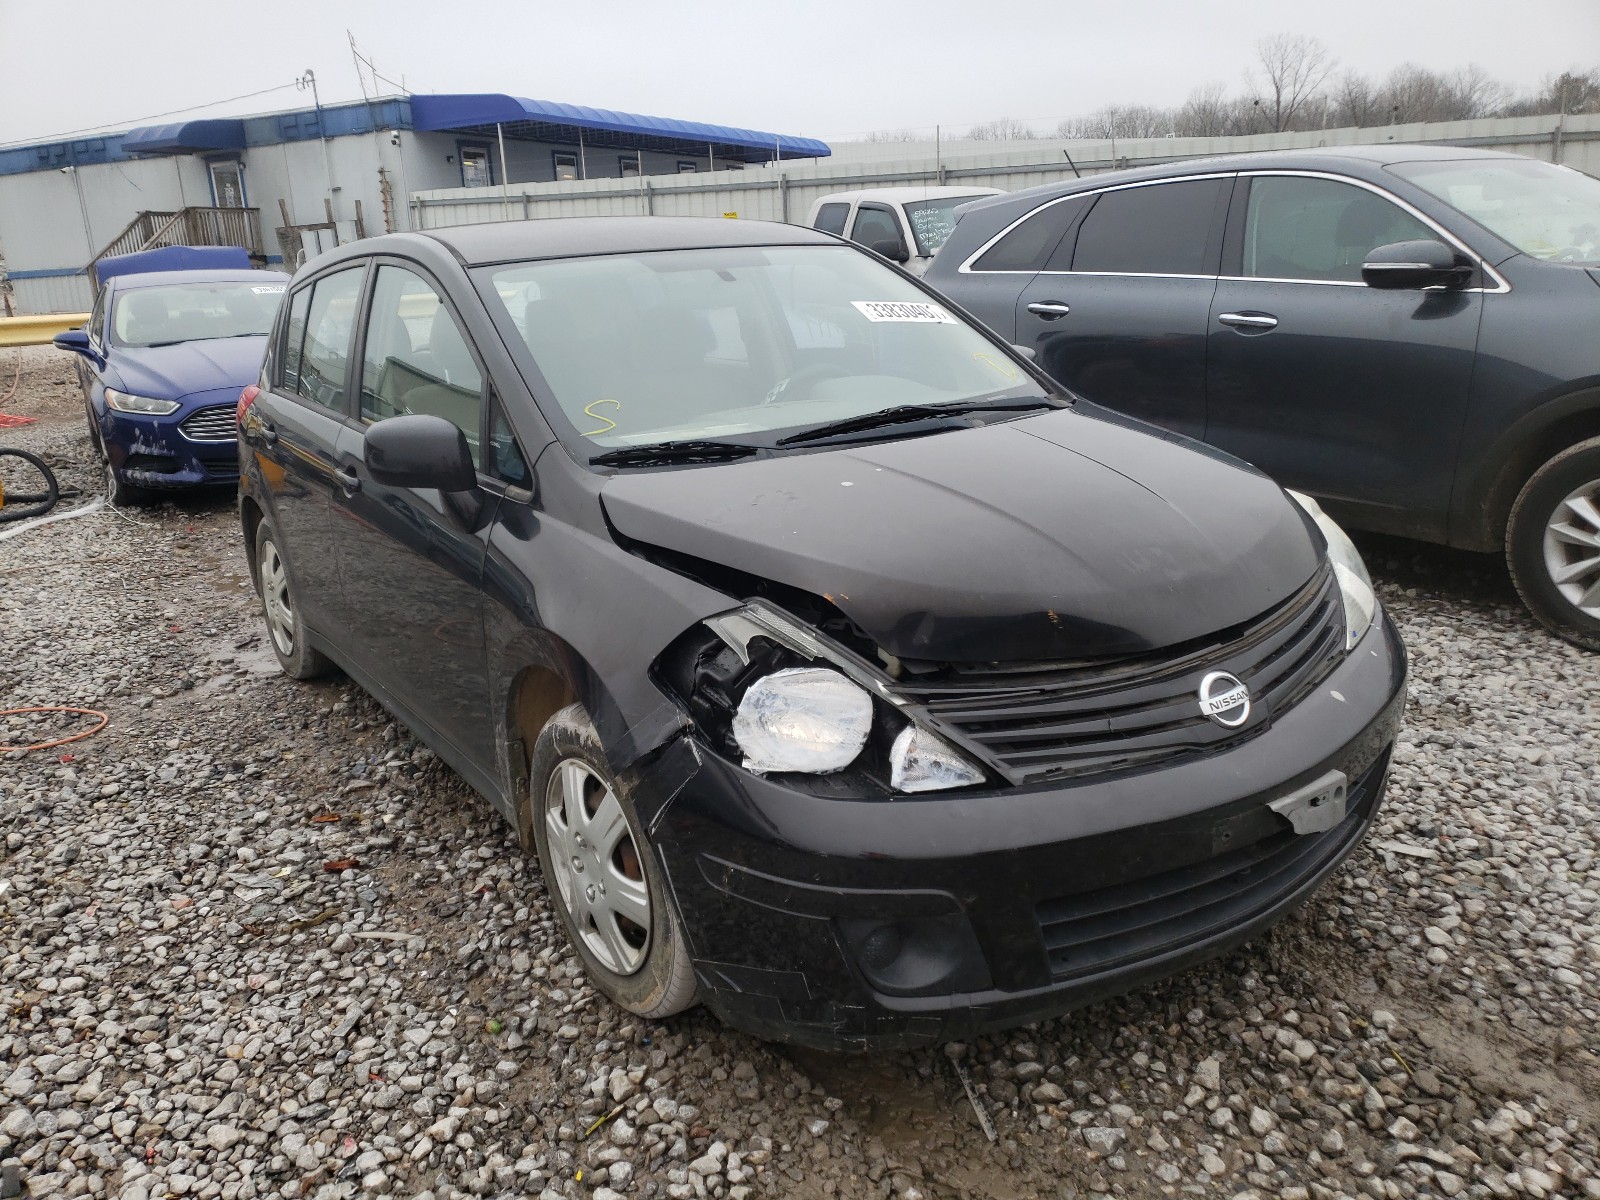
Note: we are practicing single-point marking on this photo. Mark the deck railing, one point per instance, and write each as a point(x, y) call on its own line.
point(194, 226)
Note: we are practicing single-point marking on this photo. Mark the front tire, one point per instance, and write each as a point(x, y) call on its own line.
point(286, 633)
point(602, 874)
point(118, 491)
point(1553, 544)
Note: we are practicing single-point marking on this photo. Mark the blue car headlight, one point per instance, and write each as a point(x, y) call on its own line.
point(147, 406)
point(1355, 585)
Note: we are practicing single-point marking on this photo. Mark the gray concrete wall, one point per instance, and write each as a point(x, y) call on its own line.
point(785, 193)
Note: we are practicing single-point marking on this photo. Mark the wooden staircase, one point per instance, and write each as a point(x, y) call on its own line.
point(193, 226)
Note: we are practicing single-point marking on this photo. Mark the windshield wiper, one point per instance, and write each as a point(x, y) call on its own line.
point(673, 452)
point(903, 414)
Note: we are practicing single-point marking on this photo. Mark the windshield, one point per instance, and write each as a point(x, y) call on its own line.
point(740, 342)
point(191, 312)
point(1545, 211)
point(932, 220)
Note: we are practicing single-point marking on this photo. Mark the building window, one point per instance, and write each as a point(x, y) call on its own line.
point(566, 165)
point(477, 168)
point(687, 168)
point(629, 164)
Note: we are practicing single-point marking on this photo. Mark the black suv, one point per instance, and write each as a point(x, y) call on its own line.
point(1409, 333)
point(845, 672)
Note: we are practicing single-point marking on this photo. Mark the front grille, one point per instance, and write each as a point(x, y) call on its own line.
point(1052, 722)
point(215, 424)
point(1160, 914)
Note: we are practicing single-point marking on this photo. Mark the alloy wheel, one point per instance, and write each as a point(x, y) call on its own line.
point(597, 868)
point(275, 599)
point(1572, 548)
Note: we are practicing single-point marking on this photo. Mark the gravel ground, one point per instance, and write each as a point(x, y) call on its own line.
point(212, 987)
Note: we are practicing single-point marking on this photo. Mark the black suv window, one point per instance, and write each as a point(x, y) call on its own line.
point(830, 218)
point(1028, 247)
point(316, 368)
point(416, 358)
point(1159, 229)
point(1297, 227)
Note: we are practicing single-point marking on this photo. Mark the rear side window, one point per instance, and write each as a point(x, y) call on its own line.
point(416, 358)
point(1029, 245)
point(325, 354)
point(831, 217)
point(1159, 229)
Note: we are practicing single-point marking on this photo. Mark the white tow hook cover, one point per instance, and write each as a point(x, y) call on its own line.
point(1317, 807)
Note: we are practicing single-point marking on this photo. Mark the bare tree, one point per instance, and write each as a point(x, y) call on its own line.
point(1210, 112)
point(892, 135)
point(1356, 101)
point(1295, 67)
point(1002, 129)
point(1569, 92)
point(1119, 121)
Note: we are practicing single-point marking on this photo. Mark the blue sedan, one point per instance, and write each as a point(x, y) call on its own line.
point(162, 361)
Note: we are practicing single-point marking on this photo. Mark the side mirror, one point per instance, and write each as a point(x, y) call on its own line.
point(891, 248)
point(1418, 264)
point(75, 340)
point(419, 450)
point(1027, 352)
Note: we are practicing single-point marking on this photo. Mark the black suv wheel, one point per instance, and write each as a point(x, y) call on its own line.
point(1553, 544)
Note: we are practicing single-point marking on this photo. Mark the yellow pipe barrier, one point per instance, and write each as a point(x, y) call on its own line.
point(37, 331)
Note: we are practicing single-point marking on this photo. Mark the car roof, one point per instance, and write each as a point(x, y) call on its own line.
point(895, 194)
point(567, 237)
point(155, 278)
point(1354, 159)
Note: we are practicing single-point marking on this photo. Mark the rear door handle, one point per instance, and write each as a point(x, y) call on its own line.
point(348, 480)
point(266, 430)
point(1256, 322)
point(1050, 310)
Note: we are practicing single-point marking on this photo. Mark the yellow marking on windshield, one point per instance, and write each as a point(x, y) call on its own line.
point(609, 423)
point(1001, 368)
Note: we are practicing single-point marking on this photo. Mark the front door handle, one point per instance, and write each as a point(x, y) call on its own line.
point(1050, 310)
point(1254, 322)
point(348, 480)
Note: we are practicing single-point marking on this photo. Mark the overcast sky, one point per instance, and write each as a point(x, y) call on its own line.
point(823, 68)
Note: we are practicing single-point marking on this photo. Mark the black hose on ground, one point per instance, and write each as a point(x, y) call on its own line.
point(18, 506)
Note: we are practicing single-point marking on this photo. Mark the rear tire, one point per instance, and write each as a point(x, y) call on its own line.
point(602, 874)
point(286, 632)
point(1553, 544)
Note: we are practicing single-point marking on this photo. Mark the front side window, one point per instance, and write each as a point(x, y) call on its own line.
point(933, 220)
point(1157, 229)
point(330, 320)
point(416, 358)
point(738, 343)
point(875, 225)
point(1545, 211)
point(193, 312)
point(831, 218)
point(1297, 227)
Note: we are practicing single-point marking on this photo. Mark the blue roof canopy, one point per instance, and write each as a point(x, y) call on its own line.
point(186, 137)
point(547, 120)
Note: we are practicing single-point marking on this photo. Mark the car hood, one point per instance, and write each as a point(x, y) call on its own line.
point(172, 372)
point(1063, 536)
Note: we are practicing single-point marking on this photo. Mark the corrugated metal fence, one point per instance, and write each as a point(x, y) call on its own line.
point(786, 193)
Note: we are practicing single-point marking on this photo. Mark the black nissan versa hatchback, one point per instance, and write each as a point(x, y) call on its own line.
point(846, 674)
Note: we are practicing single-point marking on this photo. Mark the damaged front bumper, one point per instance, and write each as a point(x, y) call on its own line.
point(883, 923)
point(156, 453)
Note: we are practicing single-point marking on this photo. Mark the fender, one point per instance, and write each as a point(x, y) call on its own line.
point(1486, 489)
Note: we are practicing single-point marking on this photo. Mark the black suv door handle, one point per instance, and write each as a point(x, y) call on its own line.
point(1050, 310)
point(348, 480)
point(1249, 322)
point(267, 431)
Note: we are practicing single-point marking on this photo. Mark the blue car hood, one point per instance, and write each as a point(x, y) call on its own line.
point(172, 372)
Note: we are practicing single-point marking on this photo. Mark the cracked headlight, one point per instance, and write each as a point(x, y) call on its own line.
point(808, 719)
point(1355, 585)
point(147, 406)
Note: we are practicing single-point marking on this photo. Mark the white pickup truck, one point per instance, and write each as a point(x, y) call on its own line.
point(906, 224)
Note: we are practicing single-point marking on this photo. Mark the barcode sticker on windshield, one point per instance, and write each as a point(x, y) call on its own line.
point(272, 289)
point(903, 310)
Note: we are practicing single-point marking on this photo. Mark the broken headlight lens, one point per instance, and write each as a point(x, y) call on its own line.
point(1355, 585)
point(920, 762)
point(809, 719)
point(147, 406)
